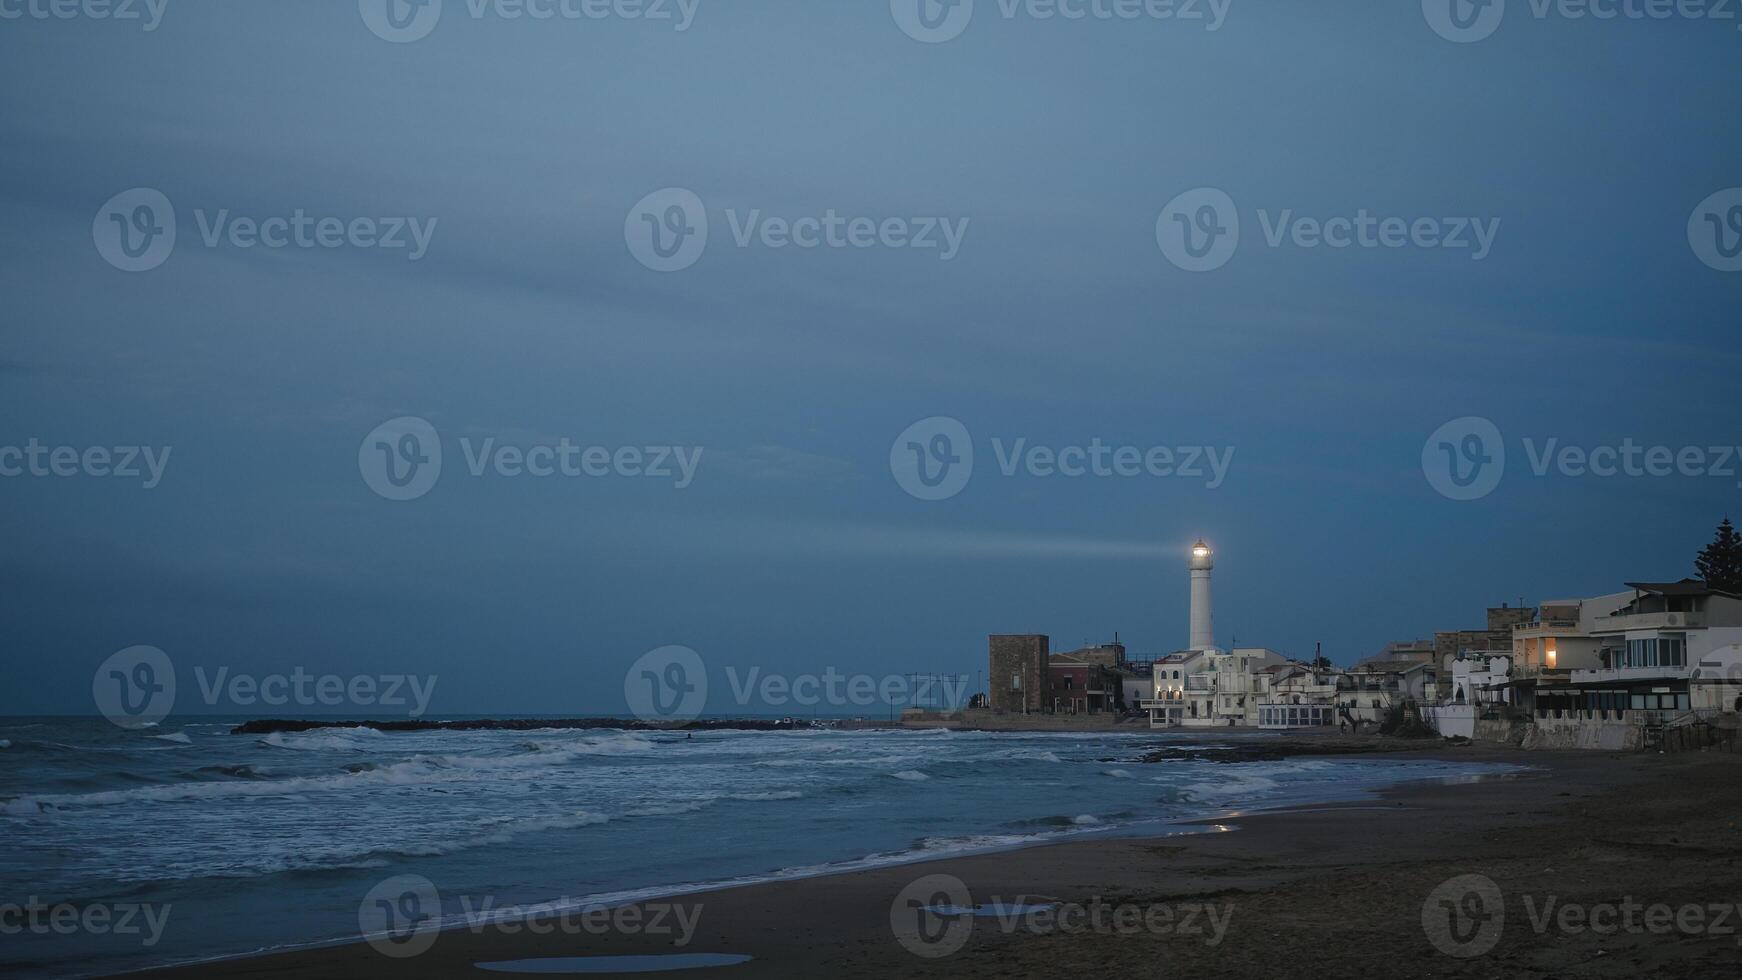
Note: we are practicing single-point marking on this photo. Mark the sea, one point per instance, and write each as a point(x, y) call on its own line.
point(239, 844)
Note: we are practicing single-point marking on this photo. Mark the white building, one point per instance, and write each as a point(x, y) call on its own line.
point(1298, 695)
point(1368, 691)
point(1611, 672)
point(1481, 687)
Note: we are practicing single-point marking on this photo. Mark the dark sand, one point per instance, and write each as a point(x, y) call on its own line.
point(1323, 892)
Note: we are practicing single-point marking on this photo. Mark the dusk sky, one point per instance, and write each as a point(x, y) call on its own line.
point(1586, 148)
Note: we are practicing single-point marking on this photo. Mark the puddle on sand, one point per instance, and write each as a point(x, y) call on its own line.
point(615, 964)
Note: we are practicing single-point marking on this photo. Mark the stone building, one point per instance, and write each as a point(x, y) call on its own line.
point(1017, 676)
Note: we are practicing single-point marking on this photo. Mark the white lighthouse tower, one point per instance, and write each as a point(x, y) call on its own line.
point(1203, 629)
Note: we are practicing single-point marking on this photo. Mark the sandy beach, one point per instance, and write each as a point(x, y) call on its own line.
point(1600, 865)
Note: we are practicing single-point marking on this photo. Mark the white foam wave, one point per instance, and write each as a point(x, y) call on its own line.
point(911, 775)
point(325, 740)
point(1235, 786)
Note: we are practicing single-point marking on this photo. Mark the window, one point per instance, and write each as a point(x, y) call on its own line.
point(1016, 682)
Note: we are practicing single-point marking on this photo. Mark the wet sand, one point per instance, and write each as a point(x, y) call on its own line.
point(1325, 891)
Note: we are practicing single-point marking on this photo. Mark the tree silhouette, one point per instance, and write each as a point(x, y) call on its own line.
point(1720, 563)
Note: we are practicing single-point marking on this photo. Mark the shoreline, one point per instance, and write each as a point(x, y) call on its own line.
point(843, 917)
point(1147, 831)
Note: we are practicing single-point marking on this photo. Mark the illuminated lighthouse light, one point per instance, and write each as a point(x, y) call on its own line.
point(1203, 626)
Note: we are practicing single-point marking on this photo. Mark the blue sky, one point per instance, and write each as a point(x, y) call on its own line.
point(1059, 322)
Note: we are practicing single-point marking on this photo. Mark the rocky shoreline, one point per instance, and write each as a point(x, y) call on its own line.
point(1270, 750)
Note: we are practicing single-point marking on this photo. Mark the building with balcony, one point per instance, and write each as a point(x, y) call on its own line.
point(1226, 687)
point(1298, 695)
point(1166, 702)
point(1367, 691)
point(1608, 671)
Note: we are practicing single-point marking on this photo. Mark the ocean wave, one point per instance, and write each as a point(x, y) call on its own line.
point(401, 774)
point(1116, 773)
point(325, 740)
point(911, 775)
point(180, 738)
point(1235, 786)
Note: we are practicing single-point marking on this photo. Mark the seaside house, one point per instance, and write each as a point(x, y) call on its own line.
point(1225, 687)
point(1078, 686)
point(1026, 677)
point(1611, 672)
point(1481, 689)
point(1368, 691)
point(1562, 636)
point(1297, 695)
point(1636, 664)
point(1167, 701)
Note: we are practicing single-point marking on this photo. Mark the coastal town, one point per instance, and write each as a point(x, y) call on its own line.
point(1653, 665)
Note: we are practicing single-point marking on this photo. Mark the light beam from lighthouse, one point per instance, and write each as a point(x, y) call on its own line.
point(1203, 627)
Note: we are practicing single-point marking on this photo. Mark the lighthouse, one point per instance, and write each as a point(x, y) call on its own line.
point(1203, 629)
